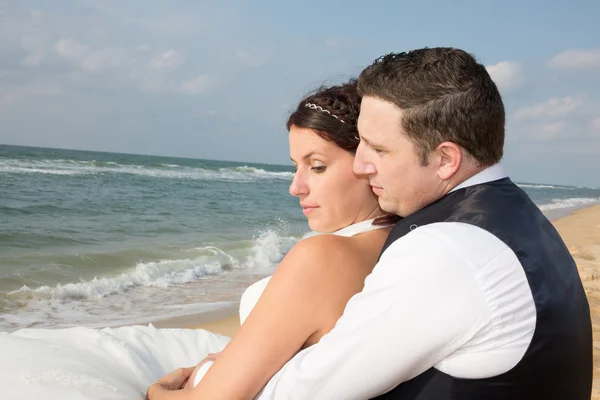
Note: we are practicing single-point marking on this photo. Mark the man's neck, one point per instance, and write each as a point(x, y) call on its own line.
point(482, 175)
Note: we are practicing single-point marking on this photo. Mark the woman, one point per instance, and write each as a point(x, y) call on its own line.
point(301, 302)
point(308, 292)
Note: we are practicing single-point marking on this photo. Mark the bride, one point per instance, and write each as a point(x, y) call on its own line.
point(280, 315)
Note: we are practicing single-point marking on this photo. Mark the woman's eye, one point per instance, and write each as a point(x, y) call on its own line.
point(318, 168)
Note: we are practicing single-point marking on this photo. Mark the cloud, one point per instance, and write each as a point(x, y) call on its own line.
point(507, 75)
point(550, 130)
point(91, 61)
point(20, 93)
point(595, 124)
point(552, 108)
point(333, 42)
point(576, 59)
point(71, 49)
point(36, 46)
point(195, 86)
point(250, 59)
point(167, 61)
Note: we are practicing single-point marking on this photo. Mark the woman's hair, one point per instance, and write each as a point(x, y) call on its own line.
point(332, 113)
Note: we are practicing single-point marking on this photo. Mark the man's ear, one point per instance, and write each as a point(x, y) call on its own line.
point(450, 157)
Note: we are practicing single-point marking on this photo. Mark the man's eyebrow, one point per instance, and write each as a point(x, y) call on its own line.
point(368, 142)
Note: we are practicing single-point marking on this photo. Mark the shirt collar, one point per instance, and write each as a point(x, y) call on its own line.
point(489, 174)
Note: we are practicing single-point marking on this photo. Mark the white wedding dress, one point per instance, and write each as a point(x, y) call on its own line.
point(110, 363)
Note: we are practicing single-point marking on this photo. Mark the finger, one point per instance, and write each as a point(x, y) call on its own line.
point(187, 371)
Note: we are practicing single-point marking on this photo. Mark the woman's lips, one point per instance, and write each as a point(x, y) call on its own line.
point(308, 209)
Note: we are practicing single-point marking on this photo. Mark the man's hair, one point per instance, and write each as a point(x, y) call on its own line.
point(445, 95)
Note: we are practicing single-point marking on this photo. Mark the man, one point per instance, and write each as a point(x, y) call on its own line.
point(475, 295)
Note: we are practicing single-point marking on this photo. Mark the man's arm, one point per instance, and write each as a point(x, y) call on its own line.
point(420, 304)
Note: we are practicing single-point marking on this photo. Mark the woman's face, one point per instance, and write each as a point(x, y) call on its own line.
point(331, 195)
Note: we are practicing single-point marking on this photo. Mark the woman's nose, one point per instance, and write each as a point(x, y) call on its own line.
point(298, 186)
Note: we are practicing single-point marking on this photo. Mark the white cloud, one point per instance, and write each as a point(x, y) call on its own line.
point(595, 123)
point(333, 42)
point(507, 75)
point(103, 60)
point(36, 41)
point(167, 61)
point(552, 108)
point(71, 49)
point(576, 59)
point(250, 59)
point(92, 61)
point(36, 46)
point(195, 86)
point(19, 93)
point(550, 130)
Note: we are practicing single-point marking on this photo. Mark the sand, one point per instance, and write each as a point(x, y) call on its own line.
point(581, 232)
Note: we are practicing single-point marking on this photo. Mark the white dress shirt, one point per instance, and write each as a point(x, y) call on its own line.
point(447, 295)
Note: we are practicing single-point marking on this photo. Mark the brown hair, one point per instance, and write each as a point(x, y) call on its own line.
point(332, 112)
point(445, 95)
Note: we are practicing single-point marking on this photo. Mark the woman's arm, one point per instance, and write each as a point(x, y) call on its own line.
point(296, 303)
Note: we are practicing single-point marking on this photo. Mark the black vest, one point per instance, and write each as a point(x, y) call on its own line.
point(558, 363)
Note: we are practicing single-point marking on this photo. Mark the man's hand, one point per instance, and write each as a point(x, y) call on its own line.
point(173, 381)
point(210, 357)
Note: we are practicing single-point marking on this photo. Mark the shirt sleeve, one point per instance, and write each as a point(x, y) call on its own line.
point(420, 304)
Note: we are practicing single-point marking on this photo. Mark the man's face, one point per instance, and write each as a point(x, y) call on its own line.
point(390, 159)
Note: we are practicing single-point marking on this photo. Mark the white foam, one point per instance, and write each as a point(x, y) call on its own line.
point(170, 171)
point(568, 203)
point(260, 171)
point(267, 249)
point(162, 273)
point(540, 186)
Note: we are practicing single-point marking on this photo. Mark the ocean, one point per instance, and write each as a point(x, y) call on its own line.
point(104, 239)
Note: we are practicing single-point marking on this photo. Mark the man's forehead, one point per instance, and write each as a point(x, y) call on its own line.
point(378, 118)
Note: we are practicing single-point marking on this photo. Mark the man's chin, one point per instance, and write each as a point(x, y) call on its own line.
point(387, 206)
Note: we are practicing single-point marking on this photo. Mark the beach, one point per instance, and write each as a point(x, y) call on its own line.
point(175, 241)
point(581, 232)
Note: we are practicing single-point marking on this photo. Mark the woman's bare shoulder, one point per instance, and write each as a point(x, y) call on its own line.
point(322, 256)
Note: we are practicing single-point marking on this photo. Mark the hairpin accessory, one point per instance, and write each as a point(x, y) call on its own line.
point(316, 107)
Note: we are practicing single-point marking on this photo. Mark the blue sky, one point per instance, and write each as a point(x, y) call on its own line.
point(208, 79)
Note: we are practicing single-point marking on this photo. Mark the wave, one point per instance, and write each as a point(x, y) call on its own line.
point(542, 186)
point(169, 171)
point(568, 203)
point(266, 250)
point(260, 171)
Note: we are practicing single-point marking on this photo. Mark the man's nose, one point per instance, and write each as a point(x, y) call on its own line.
point(361, 165)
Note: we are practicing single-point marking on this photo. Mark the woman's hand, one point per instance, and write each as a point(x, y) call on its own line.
point(175, 380)
point(210, 357)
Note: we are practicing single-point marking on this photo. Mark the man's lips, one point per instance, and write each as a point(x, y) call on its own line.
point(377, 189)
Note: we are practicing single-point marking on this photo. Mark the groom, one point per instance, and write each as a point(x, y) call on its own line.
point(475, 295)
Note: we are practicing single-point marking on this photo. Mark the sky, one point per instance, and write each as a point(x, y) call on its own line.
point(217, 79)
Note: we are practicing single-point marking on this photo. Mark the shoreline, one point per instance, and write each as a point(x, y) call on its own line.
point(224, 321)
point(579, 229)
point(571, 225)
